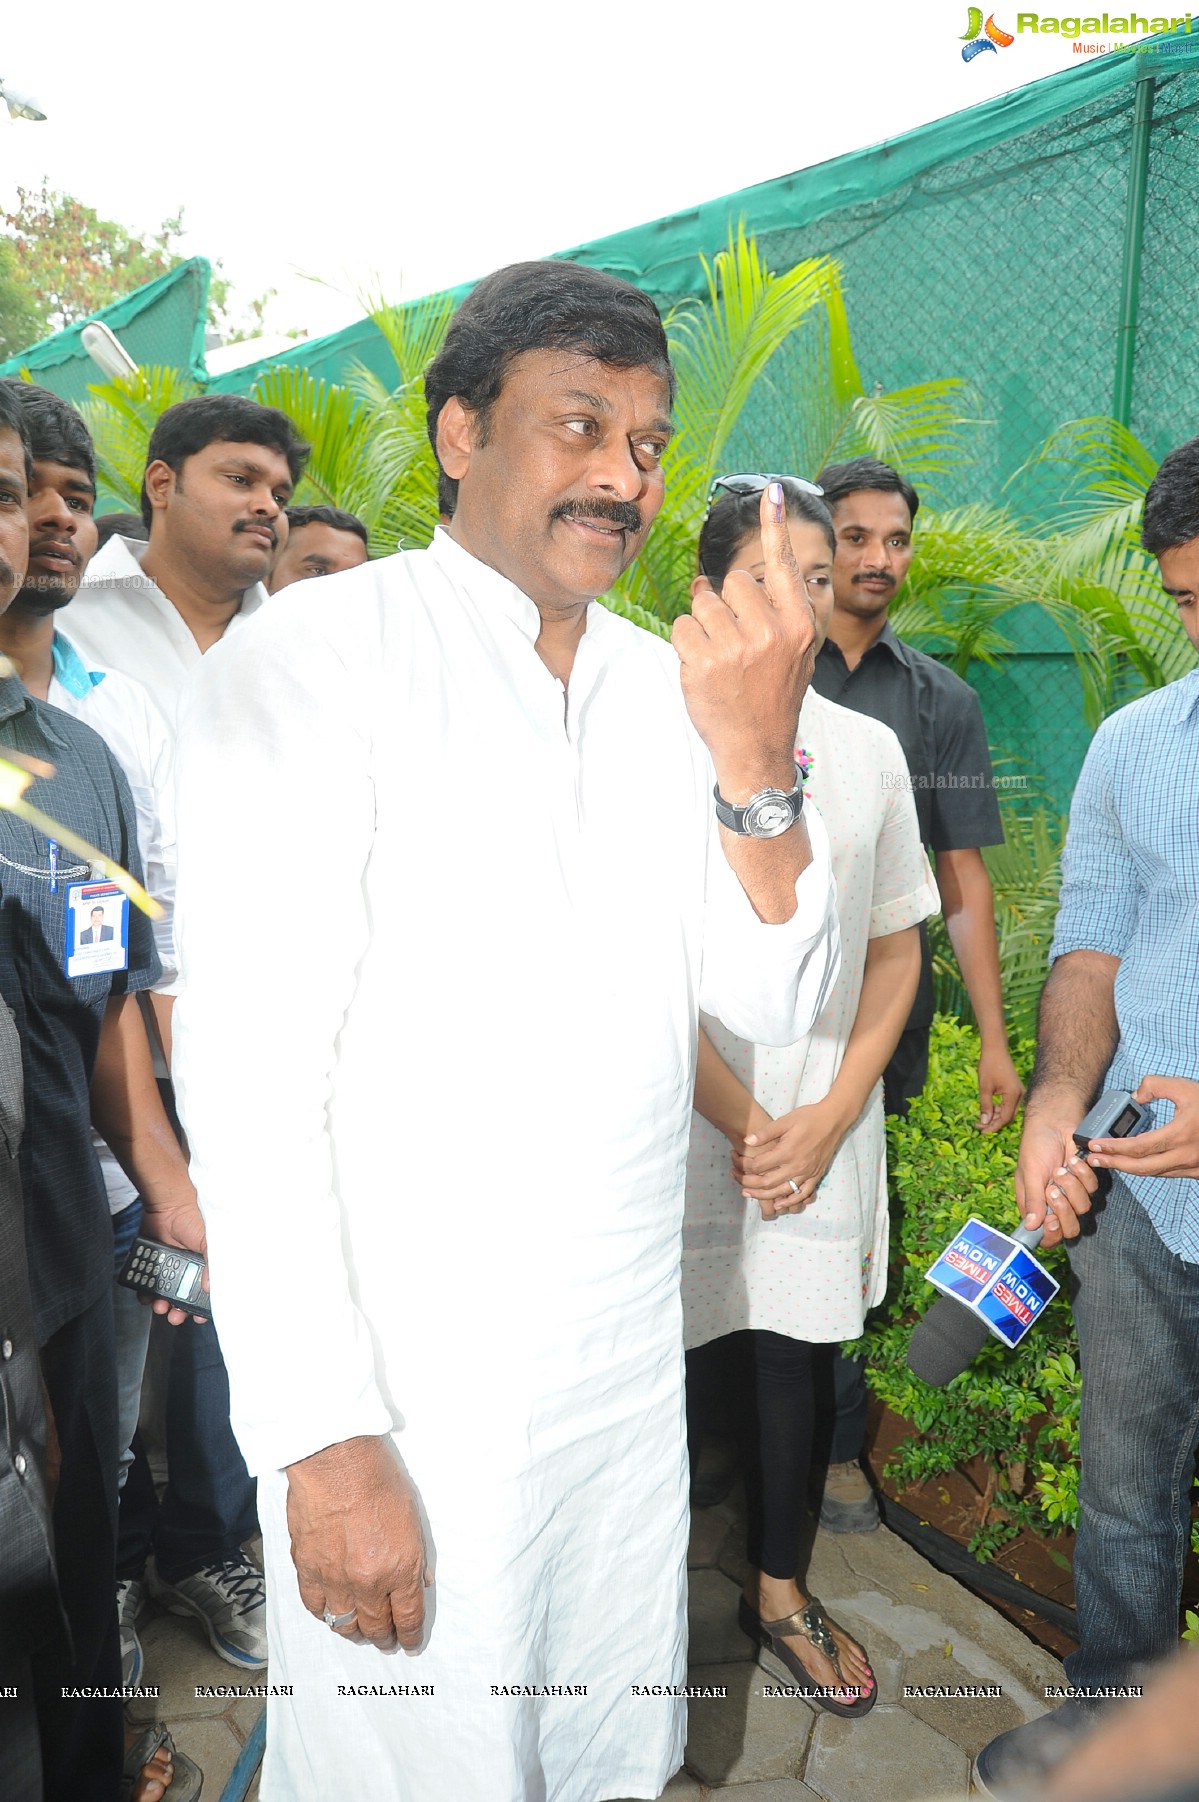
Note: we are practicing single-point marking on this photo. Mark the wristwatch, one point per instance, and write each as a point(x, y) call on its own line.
point(765, 815)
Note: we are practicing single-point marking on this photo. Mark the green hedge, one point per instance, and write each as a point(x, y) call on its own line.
point(1018, 1409)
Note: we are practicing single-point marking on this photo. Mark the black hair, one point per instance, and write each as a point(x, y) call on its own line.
point(548, 305)
point(337, 517)
point(840, 480)
point(57, 434)
point(736, 517)
point(190, 425)
point(129, 525)
point(1171, 515)
point(12, 419)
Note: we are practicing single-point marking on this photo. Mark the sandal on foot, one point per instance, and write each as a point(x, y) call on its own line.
point(809, 1620)
point(187, 1779)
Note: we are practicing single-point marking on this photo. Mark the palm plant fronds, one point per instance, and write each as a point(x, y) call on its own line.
point(1025, 874)
point(336, 427)
point(121, 418)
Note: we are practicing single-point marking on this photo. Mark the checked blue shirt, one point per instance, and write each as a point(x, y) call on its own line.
point(1130, 888)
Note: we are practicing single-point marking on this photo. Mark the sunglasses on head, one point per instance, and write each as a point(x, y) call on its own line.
point(754, 484)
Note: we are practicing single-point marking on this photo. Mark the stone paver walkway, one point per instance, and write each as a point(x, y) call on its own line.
point(923, 1631)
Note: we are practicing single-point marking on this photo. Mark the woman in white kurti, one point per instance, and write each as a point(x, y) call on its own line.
point(785, 1244)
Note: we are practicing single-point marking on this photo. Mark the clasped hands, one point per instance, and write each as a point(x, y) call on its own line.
point(797, 1147)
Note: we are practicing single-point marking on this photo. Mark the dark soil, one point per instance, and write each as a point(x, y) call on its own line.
point(952, 1503)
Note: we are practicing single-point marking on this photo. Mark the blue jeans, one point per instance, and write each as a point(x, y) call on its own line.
point(209, 1507)
point(132, 1318)
point(1137, 1309)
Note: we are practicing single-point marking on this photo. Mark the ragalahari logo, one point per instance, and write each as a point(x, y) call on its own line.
point(978, 37)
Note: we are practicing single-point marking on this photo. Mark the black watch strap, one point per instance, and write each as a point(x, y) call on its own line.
point(741, 819)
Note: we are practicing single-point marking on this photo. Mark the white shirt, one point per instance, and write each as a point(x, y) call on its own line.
point(812, 1275)
point(121, 620)
point(140, 739)
point(441, 1153)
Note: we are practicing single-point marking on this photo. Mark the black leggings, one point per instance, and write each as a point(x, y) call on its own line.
point(766, 1381)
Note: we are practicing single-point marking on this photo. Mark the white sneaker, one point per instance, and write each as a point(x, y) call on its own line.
point(229, 1601)
point(130, 1595)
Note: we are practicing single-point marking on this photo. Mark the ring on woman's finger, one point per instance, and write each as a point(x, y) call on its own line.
point(334, 1621)
point(793, 1185)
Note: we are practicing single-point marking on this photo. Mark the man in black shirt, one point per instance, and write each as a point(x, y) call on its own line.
point(938, 721)
point(86, 1061)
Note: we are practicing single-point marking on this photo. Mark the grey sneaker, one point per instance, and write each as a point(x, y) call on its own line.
point(848, 1504)
point(1013, 1766)
point(130, 1595)
point(229, 1601)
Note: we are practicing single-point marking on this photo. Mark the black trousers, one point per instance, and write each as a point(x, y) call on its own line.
point(766, 1381)
point(82, 1740)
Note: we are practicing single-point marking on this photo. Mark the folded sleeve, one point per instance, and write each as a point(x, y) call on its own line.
point(768, 983)
point(1101, 883)
point(276, 815)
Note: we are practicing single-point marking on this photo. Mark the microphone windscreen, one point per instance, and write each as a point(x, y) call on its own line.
point(944, 1342)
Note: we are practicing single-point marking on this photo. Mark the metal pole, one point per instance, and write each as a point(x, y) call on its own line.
point(1130, 256)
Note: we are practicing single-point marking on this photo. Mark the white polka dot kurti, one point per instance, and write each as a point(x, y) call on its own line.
point(812, 1275)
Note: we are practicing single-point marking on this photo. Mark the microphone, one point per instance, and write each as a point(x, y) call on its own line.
point(990, 1286)
point(951, 1334)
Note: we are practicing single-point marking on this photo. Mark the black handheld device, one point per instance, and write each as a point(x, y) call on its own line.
point(1114, 1116)
point(164, 1272)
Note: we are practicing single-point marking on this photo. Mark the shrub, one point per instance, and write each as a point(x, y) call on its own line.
point(1017, 1410)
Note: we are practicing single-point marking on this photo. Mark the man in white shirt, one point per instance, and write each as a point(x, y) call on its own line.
point(441, 1151)
point(220, 471)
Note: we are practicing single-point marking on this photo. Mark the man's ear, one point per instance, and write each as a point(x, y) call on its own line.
point(160, 482)
point(455, 438)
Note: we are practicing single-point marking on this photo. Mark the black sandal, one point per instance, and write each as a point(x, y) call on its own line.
point(809, 1620)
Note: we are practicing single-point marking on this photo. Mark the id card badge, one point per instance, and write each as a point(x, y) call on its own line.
point(97, 929)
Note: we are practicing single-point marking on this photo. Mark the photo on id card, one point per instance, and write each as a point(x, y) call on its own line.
point(97, 929)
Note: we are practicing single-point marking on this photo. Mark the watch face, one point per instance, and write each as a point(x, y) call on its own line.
point(770, 817)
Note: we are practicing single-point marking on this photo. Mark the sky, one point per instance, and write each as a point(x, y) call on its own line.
point(348, 149)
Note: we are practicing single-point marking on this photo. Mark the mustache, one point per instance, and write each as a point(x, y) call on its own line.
point(874, 575)
point(625, 514)
point(258, 525)
point(56, 546)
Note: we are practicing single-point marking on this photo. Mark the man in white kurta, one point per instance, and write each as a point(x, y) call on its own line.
point(441, 1146)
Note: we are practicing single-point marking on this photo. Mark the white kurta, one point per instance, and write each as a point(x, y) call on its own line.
point(121, 620)
point(813, 1274)
point(444, 940)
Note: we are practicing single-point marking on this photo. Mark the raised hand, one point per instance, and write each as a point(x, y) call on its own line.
point(747, 657)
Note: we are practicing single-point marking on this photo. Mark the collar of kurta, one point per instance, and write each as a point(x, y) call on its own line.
point(486, 584)
point(119, 565)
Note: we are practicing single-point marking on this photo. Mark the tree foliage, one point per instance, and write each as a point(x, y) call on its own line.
point(72, 262)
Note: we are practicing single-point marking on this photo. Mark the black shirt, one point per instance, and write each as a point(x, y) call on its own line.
point(67, 1222)
point(938, 721)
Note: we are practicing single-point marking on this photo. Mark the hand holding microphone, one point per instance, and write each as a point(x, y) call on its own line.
point(991, 1284)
